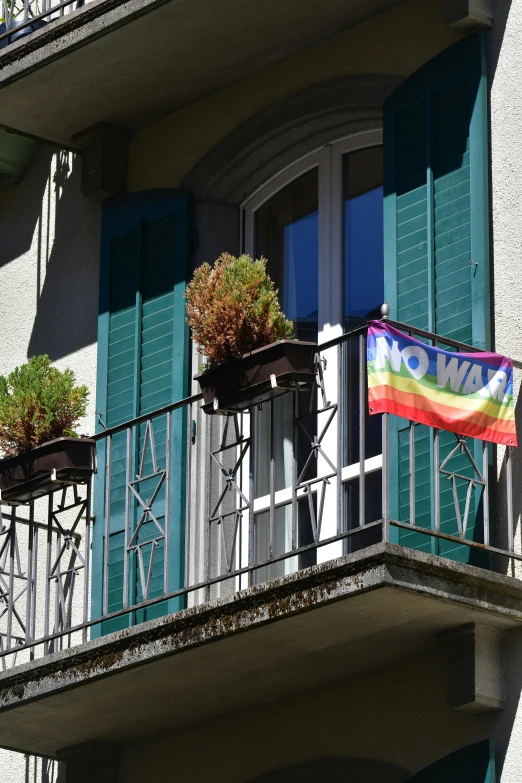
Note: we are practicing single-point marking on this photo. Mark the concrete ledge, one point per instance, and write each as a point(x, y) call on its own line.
point(337, 619)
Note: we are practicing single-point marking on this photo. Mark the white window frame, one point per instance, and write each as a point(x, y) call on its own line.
point(329, 162)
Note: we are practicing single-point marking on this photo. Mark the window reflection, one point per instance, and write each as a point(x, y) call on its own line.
point(287, 235)
point(363, 289)
point(363, 252)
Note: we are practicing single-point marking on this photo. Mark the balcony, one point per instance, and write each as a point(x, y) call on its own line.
point(51, 55)
point(339, 571)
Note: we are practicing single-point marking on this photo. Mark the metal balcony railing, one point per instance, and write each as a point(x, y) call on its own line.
point(308, 478)
point(19, 18)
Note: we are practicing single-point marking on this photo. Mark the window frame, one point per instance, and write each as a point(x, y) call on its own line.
point(328, 161)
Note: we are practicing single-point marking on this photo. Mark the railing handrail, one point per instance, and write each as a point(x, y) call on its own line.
point(173, 406)
point(10, 31)
point(435, 337)
point(413, 330)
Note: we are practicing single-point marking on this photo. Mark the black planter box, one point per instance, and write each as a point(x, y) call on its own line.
point(258, 376)
point(46, 468)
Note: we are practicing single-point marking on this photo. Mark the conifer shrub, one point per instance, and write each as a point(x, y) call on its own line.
point(233, 308)
point(38, 403)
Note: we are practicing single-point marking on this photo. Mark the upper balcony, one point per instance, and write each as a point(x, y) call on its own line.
point(340, 542)
point(68, 64)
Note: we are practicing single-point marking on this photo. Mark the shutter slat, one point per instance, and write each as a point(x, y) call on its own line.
point(145, 254)
point(434, 148)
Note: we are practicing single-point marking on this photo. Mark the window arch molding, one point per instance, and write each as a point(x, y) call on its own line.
point(287, 131)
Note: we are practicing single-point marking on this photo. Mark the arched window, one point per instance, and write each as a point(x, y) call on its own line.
point(319, 223)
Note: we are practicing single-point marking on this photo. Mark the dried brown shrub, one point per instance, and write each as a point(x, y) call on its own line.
point(233, 308)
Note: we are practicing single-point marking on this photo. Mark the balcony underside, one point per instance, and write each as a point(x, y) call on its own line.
point(335, 620)
point(129, 62)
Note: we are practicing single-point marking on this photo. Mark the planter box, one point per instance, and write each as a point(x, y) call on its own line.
point(46, 469)
point(267, 372)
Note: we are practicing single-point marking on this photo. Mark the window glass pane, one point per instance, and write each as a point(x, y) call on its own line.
point(287, 235)
point(363, 254)
point(363, 261)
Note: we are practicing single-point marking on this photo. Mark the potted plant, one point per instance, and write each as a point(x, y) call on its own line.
point(237, 324)
point(39, 408)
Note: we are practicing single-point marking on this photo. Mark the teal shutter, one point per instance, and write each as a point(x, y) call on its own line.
point(472, 764)
point(142, 366)
point(436, 257)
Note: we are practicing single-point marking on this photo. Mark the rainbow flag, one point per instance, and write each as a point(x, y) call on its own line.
point(466, 393)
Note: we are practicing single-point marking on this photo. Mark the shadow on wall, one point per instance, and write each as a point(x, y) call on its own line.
point(501, 9)
point(48, 220)
point(337, 770)
point(40, 770)
point(508, 721)
point(499, 513)
point(22, 207)
point(67, 306)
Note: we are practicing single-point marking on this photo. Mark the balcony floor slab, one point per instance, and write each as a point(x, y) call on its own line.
point(130, 62)
point(359, 612)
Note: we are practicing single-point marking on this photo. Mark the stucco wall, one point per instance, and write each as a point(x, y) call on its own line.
point(505, 77)
point(49, 262)
point(397, 42)
point(49, 258)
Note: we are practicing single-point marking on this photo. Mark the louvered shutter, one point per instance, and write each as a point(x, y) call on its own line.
point(436, 257)
point(473, 764)
point(142, 366)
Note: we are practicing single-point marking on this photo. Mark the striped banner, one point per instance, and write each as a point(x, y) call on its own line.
point(466, 393)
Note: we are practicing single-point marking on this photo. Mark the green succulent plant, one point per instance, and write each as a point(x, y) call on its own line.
point(38, 403)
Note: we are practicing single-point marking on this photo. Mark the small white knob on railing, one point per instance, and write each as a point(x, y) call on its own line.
point(385, 310)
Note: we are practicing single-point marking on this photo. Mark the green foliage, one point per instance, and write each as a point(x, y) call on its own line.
point(233, 308)
point(38, 402)
point(12, 9)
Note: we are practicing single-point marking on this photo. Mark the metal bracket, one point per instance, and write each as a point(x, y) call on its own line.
point(64, 482)
point(275, 385)
point(217, 409)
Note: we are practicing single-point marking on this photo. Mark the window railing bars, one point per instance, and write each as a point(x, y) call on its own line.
point(29, 15)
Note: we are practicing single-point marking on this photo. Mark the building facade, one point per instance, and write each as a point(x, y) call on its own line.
point(300, 591)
